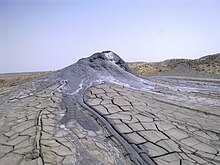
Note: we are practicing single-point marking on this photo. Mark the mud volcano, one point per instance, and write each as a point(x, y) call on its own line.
point(97, 112)
point(104, 67)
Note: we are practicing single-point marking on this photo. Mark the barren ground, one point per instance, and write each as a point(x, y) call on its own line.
point(164, 120)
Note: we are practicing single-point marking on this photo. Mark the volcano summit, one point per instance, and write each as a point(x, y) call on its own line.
point(98, 112)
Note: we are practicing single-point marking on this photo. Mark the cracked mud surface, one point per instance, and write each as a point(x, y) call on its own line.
point(34, 130)
point(109, 118)
point(172, 125)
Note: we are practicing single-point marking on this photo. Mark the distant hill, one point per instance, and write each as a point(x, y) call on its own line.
point(205, 66)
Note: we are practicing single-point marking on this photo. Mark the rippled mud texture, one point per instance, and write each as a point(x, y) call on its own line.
point(96, 112)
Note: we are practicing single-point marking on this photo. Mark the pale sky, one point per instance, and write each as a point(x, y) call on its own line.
point(39, 35)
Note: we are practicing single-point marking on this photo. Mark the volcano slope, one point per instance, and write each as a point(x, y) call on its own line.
point(96, 112)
